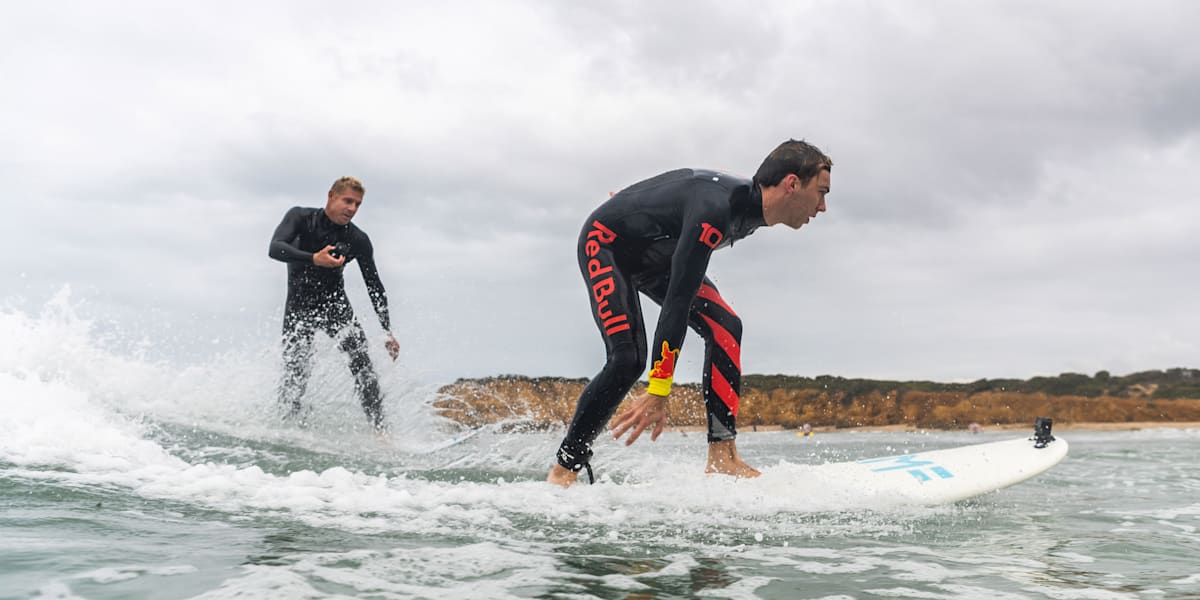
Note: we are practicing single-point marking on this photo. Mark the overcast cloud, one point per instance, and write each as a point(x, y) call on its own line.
point(1015, 190)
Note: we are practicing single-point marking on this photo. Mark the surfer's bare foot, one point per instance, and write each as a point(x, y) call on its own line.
point(560, 475)
point(723, 459)
point(382, 437)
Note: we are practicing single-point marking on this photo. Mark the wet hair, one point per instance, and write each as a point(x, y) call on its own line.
point(348, 182)
point(799, 157)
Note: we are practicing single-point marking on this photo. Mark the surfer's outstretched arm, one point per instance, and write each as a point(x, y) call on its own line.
point(378, 295)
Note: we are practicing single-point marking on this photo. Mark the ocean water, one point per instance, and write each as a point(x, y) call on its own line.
point(122, 477)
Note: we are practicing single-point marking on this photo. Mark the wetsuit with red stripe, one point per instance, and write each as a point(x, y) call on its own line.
point(656, 237)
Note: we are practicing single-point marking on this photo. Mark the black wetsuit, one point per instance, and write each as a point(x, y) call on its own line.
point(656, 238)
point(316, 300)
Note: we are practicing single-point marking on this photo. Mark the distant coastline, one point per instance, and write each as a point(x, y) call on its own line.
point(1169, 398)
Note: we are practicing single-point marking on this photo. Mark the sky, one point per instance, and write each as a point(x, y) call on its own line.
point(1015, 190)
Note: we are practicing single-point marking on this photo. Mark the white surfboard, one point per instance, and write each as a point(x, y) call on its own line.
point(952, 474)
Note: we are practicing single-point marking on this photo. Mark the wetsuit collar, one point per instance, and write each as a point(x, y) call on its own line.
point(747, 212)
point(326, 223)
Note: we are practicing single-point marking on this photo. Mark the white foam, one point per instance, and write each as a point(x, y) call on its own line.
point(231, 392)
point(92, 420)
point(970, 592)
point(906, 592)
point(110, 575)
point(481, 570)
point(259, 581)
point(1076, 558)
point(1059, 593)
point(56, 591)
point(50, 424)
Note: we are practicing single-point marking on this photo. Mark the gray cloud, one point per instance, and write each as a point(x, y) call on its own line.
point(1013, 190)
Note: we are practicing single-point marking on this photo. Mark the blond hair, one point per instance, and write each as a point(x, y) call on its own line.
point(348, 182)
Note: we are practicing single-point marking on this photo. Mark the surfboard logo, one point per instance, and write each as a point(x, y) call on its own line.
point(922, 470)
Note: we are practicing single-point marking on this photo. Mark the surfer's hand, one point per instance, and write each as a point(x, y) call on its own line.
point(325, 258)
point(393, 347)
point(648, 409)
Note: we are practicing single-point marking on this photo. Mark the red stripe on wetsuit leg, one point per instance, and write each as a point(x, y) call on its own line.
point(710, 293)
point(724, 390)
point(725, 341)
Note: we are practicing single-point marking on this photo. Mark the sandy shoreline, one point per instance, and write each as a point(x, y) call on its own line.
point(1084, 426)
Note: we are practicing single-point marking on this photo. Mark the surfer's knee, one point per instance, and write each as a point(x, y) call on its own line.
point(625, 364)
point(352, 340)
point(360, 361)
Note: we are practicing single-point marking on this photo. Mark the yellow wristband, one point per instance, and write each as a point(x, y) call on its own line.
point(660, 387)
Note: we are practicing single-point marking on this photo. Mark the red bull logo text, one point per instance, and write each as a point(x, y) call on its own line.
point(599, 274)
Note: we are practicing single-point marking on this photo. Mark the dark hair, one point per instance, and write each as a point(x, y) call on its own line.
point(799, 157)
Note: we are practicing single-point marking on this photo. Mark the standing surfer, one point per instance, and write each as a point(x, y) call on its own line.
point(316, 243)
point(656, 237)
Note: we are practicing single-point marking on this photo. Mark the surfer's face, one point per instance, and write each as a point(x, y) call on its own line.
point(803, 201)
point(342, 205)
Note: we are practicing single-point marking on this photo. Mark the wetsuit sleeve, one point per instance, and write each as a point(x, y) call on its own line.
point(366, 264)
point(701, 232)
point(281, 241)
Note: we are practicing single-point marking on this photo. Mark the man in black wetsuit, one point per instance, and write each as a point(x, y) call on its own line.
point(656, 237)
point(316, 244)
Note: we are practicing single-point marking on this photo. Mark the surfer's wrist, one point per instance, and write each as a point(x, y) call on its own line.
point(659, 386)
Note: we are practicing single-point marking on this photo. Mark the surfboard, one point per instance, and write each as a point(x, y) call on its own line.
point(453, 441)
point(951, 474)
